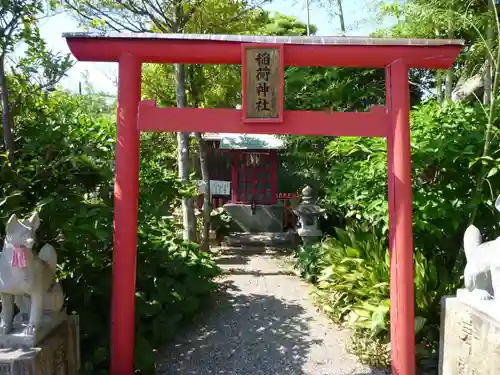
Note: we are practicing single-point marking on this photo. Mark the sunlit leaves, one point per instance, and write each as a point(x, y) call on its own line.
point(66, 152)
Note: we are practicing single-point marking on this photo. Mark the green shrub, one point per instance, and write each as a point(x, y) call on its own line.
point(65, 149)
point(351, 267)
point(308, 261)
point(352, 288)
point(353, 282)
point(220, 223)
point(446, 144)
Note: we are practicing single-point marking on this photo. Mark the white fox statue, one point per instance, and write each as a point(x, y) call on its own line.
point(26, 278)
point(482, 272)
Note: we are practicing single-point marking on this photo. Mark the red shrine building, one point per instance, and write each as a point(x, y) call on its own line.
point(243, 170)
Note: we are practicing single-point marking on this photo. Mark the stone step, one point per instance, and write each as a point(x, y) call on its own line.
point(269, 239)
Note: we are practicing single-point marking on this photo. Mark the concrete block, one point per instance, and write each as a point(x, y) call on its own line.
point(470, 337)
point(266, 218)
point(57, 354)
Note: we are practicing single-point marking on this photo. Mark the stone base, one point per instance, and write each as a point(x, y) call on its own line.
point(309, 232)
point(57, 354)
point(308, 240)
point(470, 337)
point(265, 218)
point(17, 339)
point(282, 239)
point(309, 236)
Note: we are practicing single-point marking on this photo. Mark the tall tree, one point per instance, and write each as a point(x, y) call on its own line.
point(18, 25)
point(206, 85)
point(146, 16)
point(166, 16)
point(446, 19)
point(477, 22)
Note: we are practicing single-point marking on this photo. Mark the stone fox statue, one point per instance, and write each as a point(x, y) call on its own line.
point(26, 278)
point(482, 272)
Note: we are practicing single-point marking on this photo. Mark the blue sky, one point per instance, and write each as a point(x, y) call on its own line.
point(101, 74)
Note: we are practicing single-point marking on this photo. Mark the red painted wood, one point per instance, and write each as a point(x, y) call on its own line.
point(125, 218)
point(281, 98)
point(392, 223)
point(234, 176)
point(400, 199)
point(274, 175)
point(370, 124)
point(240, 167)
point(245, 192)
point(220, 52)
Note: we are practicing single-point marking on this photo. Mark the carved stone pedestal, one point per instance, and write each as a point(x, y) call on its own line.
point(18, 339)
point(470, 337)
point(57, 354)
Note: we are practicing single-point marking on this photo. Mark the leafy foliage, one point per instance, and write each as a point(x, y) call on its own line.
point(221, 223)
point(446, 144)
point(65, 145)
point(351, 274)
point(66, 148)
point(351, 268)
point(307, 160)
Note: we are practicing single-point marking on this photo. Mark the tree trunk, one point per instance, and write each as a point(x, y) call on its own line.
point(341, 17)
point(207, 206)
point(488, 80)
point(439, 78)
point(8, 137)
point(188, 223)
point(308, 23)
point(195, 77)
point(449, 73)
point(487, 83)
point(449, 85)
point(439, 86)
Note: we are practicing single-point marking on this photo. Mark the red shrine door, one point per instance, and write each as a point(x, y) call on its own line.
point(263, 59)
point(254, 177)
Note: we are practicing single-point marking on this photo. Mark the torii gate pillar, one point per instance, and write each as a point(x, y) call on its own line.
point(125, 216)
point(400, 220)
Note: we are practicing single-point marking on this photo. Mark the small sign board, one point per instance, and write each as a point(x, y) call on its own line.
point(217, 187)
point(220, 187)
point(262, 75)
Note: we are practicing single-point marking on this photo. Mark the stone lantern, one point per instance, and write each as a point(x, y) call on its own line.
point(308, 213)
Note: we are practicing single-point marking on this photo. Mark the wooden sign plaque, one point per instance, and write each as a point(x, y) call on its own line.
point(262, 75)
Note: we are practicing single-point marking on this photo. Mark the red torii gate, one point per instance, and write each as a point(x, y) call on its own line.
point(391, 122)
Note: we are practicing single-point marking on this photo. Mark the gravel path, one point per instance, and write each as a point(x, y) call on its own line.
point(264, 324)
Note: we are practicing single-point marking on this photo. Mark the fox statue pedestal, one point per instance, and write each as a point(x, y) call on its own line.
point(18, 338)
point(470, 322)
point(57, 354)
point(470, 337)
point(41, 339)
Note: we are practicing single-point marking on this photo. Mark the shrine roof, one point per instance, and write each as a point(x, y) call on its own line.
point(348, 51)
point(233, 141)
point(237, 38)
